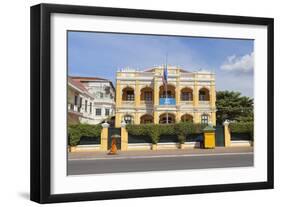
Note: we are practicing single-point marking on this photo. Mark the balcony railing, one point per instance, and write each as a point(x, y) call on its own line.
point(128, 103)
point(144, 102)
point(74, 108)
point(186, 102)
point(204, 102)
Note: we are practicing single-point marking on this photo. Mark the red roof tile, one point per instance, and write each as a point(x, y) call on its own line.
point(77, 84)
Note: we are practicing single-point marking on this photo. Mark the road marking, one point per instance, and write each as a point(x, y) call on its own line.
point(158, 156)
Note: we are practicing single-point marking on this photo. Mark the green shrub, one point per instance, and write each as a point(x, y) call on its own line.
point(183, 129)
point(151, 130)
point(242, 127)
point(154, 131)
point(77, 131)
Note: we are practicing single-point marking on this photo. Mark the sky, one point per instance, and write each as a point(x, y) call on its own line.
point(102, 54)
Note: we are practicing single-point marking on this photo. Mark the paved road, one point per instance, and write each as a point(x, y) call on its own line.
point(158, 163)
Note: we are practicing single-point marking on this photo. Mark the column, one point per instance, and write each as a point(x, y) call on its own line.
point(137, 94)
point(195, 94)
point(178, 116)
point(156, 93)
point(213, 118)
point(155, 117)
point(124, 137)
point(118, 94)
point(118, 120)
point(178, 92)
point(227, 135)
point(213, 95)
point(104, 137)
point(137, 118)
point(196, 118)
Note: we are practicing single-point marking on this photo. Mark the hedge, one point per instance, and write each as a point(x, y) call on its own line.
point(154, 131)
point(75, 132)
point(242, 127)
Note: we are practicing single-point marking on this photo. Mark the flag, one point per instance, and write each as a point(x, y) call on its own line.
point(165, 75)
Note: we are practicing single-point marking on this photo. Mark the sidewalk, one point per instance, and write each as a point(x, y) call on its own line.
point(159, 153)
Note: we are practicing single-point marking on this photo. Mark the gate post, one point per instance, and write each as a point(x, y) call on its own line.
point(124, 137)
point(104, 137)
point(227, 135)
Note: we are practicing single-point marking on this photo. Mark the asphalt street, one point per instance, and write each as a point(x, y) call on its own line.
point(158, 163)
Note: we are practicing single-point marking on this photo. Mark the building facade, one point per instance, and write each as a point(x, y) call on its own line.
point(97, 102)
point(142, 98)
point(80, 103)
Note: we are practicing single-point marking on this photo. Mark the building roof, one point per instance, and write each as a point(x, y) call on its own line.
point(77, 84)
point(81, 78)
point(89, 79)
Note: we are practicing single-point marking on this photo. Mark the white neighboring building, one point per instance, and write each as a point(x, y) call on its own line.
point(103, 92)
point(79, 103)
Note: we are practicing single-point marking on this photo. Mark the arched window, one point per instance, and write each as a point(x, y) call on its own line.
point(146, 94)
point(186, 118)
point(204, 119)
point(171, 91)
point(128, 119)
point(204, 94)
point(146, 119)
point(186, 94)
point(128, 94)
point(167, 119)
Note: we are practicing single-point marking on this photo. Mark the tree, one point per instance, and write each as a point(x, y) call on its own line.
point(232, 106)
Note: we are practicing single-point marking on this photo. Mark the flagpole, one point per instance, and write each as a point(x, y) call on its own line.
point(166, 89)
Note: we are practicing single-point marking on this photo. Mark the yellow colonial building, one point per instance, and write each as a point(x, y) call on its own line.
point(142, 98)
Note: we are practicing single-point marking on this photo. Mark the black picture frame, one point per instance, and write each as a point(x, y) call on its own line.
point(41, 98)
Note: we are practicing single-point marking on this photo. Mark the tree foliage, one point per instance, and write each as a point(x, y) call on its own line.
point(234, 107)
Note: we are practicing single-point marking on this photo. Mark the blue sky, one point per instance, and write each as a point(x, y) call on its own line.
point(101, 54)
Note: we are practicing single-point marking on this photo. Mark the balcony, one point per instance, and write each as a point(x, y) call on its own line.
point(74, 108)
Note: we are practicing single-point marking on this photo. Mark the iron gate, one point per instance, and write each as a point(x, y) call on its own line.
point(112, 131)
point(220, 136)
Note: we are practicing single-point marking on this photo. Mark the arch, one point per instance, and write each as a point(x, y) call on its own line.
point(128, 118)
point(163, 118)
point(146, 119)
point(171, 91)
point(187, 118)
point(204, 94)
point(128, 94)
point(146, 94)
point(186, 94)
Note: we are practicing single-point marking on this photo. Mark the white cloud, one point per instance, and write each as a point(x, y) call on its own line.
point(239, 64)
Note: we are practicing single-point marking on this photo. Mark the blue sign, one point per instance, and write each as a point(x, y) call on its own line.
point(167, 101)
